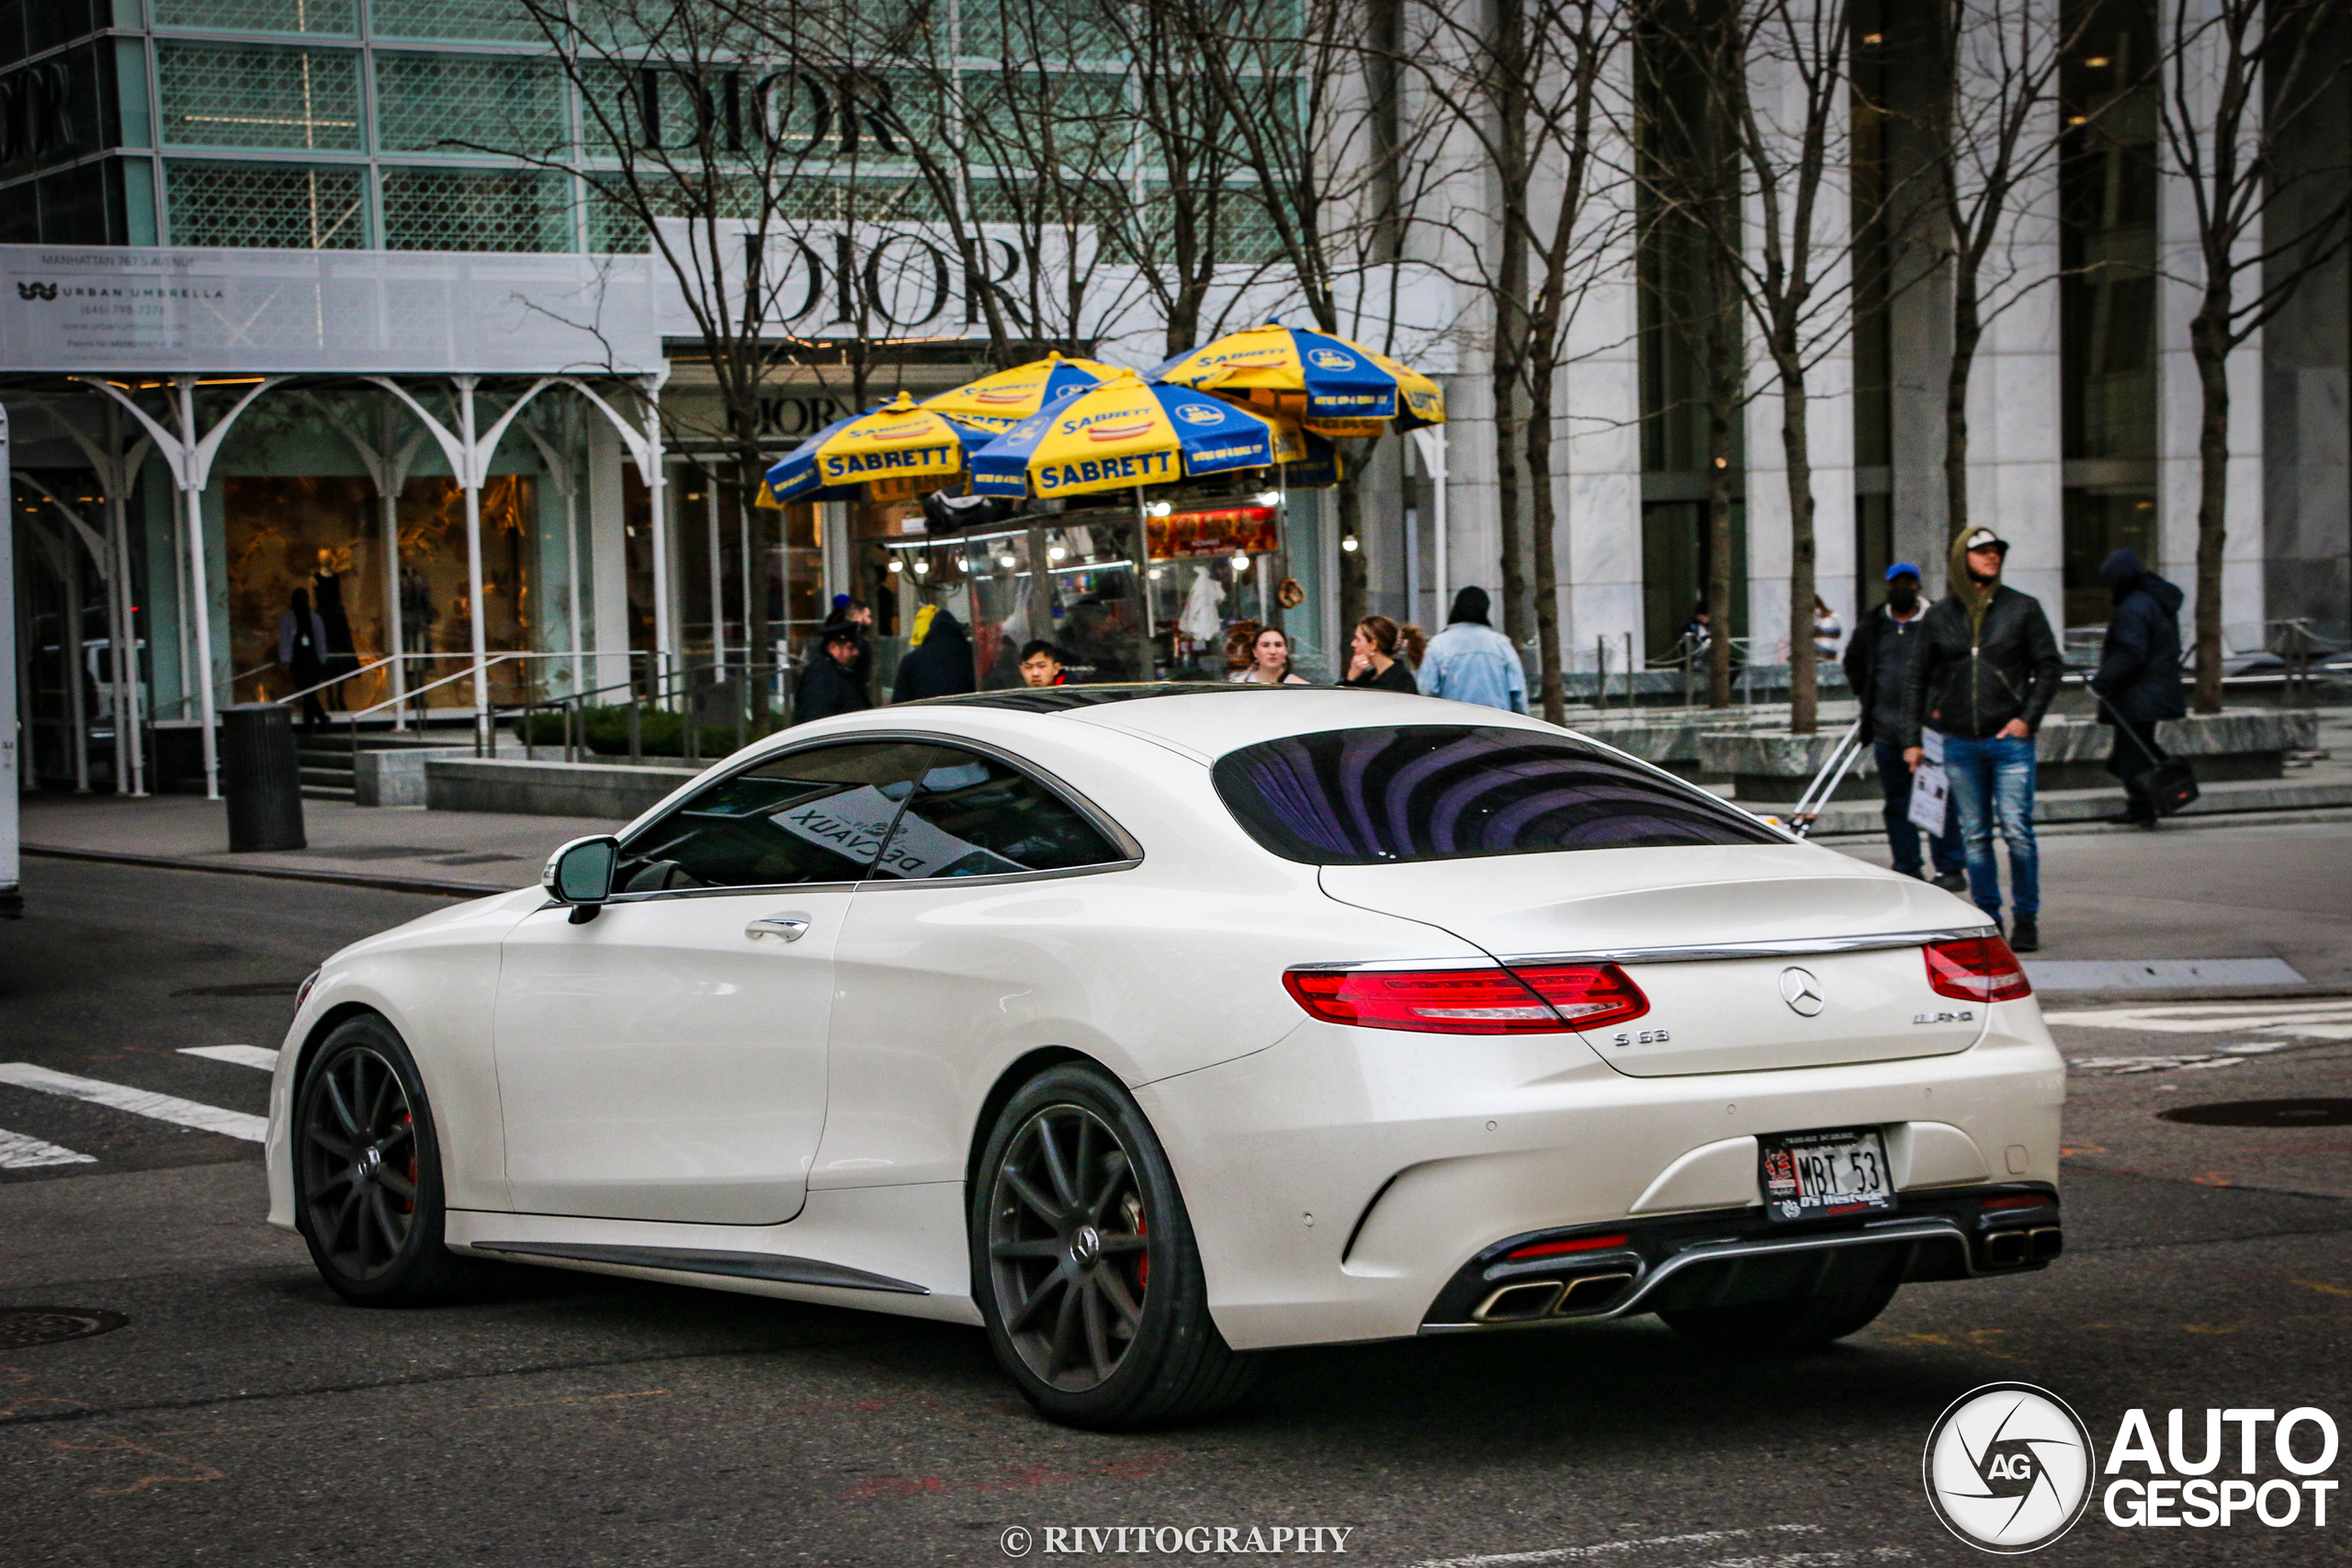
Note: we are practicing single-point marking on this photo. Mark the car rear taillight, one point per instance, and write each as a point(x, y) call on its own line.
point(1537, 999)
point(1586, 995)
point(1976, 969)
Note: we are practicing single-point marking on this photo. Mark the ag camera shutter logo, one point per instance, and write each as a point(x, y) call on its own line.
point(2008, 1468)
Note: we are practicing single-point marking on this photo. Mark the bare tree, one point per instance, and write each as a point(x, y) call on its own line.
point(1778, 73)
point(1991, 135)
point(1321, 147)
point(1531, 90)
point(2241, 80)
point(1687, 170)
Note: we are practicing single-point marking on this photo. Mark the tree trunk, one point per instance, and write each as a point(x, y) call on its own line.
point(1723, 401)
point(1542, 524)
point(1804, 693)
point(1353, 571)
point(1508, 61)
point(1967, 332)
point(2209, 348)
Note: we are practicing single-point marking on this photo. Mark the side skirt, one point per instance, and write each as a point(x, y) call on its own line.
point(696, 1260)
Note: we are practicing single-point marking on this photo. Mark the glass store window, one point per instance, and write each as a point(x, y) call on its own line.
point(321, 537)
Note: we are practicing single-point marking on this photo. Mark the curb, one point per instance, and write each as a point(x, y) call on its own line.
point(2277, 817)
point(281, 873)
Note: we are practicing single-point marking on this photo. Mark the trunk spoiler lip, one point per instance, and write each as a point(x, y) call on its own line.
point(1778, 947)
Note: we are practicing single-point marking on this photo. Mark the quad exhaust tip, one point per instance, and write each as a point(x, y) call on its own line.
point(1532, 1299)
point(2008, 1249)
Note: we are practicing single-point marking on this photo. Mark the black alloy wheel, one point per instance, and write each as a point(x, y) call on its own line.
point(1068, 1248)
point(368, 1190)
point(1084, 1263)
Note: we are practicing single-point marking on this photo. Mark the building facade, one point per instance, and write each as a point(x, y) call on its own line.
point(321, 296)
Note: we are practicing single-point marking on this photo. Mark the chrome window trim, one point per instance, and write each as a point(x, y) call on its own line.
point(1132, 853)
point(1791, 947)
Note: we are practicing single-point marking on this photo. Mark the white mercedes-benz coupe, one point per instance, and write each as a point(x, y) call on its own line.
point(1152, 1026)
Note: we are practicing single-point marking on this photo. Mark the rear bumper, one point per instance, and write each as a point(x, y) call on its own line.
point(1342, 1182)
point(1734, 1257)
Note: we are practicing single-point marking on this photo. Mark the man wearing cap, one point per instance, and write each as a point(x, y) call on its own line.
point(1983, 673)
point(1877, 660)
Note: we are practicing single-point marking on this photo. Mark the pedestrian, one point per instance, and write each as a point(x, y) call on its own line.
point(829, 682)
point(2139, 674)
point(339, 652)
point(942, 667)
point(1827, 632)
point(1269, 661)
point(1877, 660)
point(859, 618)
point(301, 649)
point(1472, 662)
point(1986, 670)
point(1041, 663)
point(1385, 654)
point(1697, 632)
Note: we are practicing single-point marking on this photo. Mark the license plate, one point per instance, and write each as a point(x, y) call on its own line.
point(1824, 1175)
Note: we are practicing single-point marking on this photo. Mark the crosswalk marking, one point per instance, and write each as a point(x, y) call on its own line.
point(137, 1101)
point(2200, 1061)
point(260, 1057)
point(18, 1151)
point(2305, 1021)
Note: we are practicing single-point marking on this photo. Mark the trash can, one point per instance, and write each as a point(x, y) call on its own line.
point(261, 773)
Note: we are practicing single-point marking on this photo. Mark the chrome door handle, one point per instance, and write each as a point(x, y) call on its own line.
point(792, 928)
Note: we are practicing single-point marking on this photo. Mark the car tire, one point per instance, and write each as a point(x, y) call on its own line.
point(367, 1184)
point(1084, 1266)
point(1804, 1323)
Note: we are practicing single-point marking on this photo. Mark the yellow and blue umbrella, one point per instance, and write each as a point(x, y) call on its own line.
point(998, 402)
point(896, 450)
point(1125, 434)
point(1338, 387)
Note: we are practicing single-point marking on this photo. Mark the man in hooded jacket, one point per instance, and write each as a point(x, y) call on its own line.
point(2139, 673)
point(942, 667)
point(1876, 662)
point(1986, 670)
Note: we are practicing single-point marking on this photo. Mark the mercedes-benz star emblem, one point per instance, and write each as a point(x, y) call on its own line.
point(2009, 1468)
point(1801, 992)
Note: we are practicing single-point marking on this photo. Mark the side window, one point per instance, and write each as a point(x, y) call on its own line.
point(974, 816)
point(814, 815)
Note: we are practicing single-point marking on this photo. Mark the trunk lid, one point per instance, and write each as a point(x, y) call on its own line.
point(1822, 921)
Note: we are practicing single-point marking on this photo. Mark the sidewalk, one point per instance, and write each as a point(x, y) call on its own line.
point(400, 847)
point(2313, 788)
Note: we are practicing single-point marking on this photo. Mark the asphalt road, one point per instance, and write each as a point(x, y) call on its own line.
point(242, 1415)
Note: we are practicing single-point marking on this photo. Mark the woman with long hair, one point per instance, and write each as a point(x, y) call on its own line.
point(1269, 661)
point(1385, 654)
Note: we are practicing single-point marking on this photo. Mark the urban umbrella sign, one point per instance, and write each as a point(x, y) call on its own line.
point(998, 402)
point(1125, 434)
point(893, 452)
point(1337, 388)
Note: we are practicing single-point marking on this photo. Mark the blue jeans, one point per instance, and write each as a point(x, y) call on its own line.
point(1902, 834)
point(1993, 780)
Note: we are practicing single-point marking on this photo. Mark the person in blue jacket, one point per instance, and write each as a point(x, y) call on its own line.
point(2139, 673)
point(1472, 662)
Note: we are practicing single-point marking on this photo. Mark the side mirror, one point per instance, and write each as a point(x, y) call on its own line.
point(580, 874)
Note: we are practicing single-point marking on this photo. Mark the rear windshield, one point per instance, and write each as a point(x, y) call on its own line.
point(1451, 791)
